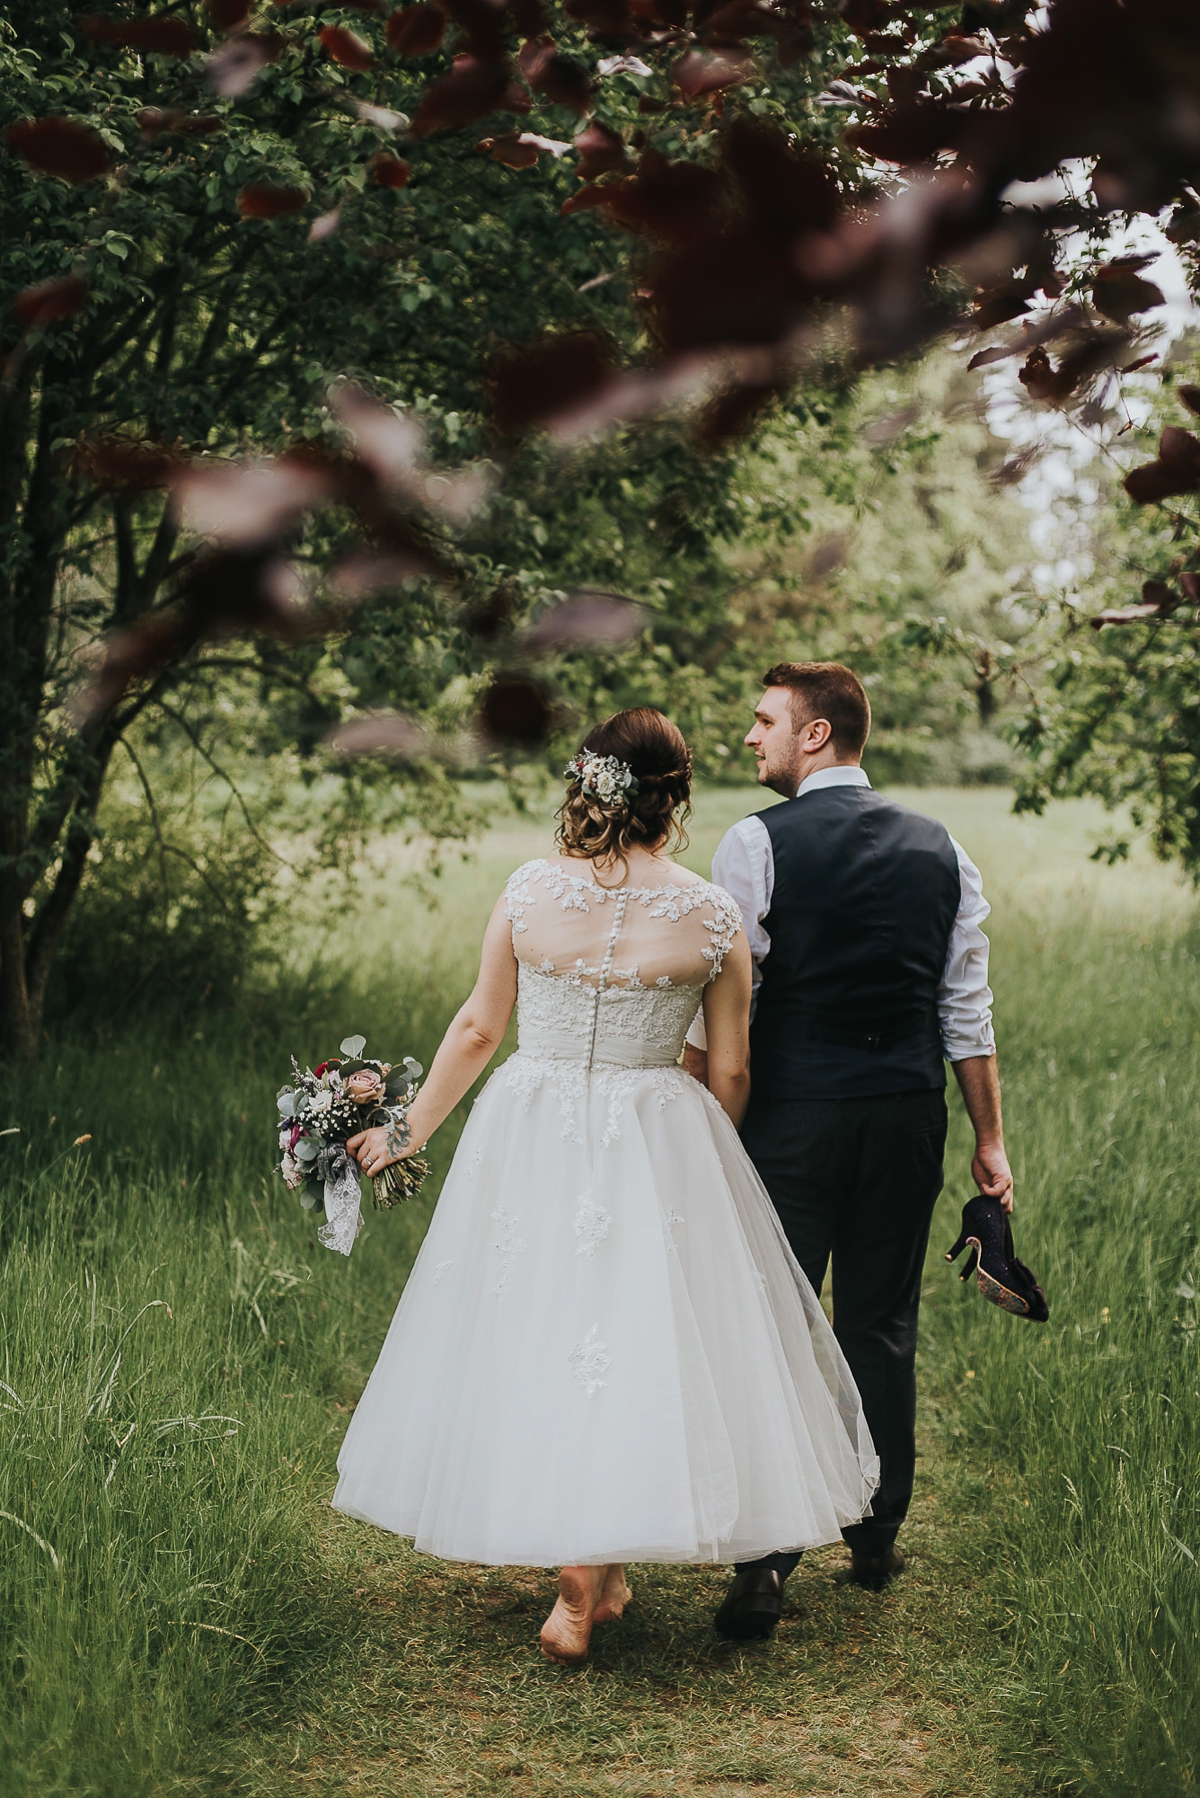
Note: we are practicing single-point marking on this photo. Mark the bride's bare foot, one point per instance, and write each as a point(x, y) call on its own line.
point(568, 1629)
point(614, 1594)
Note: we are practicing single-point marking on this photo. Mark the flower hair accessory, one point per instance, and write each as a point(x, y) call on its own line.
point(602, 777)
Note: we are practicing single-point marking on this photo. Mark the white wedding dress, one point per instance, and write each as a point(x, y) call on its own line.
point(605, 1350)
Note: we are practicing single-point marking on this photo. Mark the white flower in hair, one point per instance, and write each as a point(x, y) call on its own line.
point(602, 777)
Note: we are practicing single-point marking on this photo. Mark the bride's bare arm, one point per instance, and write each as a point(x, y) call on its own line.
point(727, 1022)
point(468, 1045)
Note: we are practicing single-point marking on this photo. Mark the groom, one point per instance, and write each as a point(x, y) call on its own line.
point(871, 971)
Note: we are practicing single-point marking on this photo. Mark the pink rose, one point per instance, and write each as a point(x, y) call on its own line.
point(365, 1087)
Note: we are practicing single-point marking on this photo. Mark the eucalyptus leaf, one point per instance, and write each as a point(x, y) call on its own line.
point(307, 1149)
point(353, 1045)
point(286, 1103)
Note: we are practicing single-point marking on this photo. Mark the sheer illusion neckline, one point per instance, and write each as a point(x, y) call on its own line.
point(557, 864)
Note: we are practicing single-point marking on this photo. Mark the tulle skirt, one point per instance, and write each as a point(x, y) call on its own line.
point(606, 1350)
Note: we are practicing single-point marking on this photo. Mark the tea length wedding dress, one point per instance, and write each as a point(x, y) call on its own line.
point(605, 1350)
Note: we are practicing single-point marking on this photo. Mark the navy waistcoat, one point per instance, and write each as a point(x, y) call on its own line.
point(864, 901)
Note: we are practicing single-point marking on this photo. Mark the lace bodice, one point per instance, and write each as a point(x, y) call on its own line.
point(612, 975)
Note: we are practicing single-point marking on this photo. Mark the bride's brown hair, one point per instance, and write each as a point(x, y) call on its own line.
point(661, 762)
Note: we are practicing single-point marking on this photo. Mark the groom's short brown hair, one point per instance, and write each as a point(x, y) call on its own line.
point(826, 690)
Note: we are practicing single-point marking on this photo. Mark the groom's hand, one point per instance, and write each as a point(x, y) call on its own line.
point(979, 1081)
point(992, 1174)
point(695, 1063)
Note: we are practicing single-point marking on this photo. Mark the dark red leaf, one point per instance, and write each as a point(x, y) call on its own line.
point(558, 78)
point(1131, 368)
point(587, 618)
point(161, 36)
point(243, 505)
point(389, 171)
point(346, 47)
point(864, 16)
point(154, 121)
point(608, 19)
point(673, 200)
point(236, 65)
point(1177, 469)
point(585, 200)
point(530, 17)
point(225, 14)
point(416, 30)
point(483, 24)
point(383, 733)
point(1179, 450)
point(1190, 397)
point(60, 147)
point(364, 572)
point(114, 462)
point(912, 133)
point(1191, 586)
point(552, 377)
point(701, 72)
point(50, 300)
point(1124, 615)
point(261, 200)
point(471, 91)
point(511, 149)
point(1119, 291)
point(735, 410)
point(982, 358)
point(1007, 299)
point(515, 711)
point(785, 191)
point(601, 151)
point(488, 619)
point(1096, 353)
point(1158, 594)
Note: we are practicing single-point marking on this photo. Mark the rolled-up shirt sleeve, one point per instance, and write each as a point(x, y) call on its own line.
point(744, 866)
point(964, 998)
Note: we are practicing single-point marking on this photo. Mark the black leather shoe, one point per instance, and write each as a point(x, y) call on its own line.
point(753, 1606)
point(876, 1571)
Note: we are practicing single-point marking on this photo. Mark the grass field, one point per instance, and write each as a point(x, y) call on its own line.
point(180, 1612)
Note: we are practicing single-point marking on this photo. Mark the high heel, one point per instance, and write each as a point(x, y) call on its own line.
point(1003, 1280)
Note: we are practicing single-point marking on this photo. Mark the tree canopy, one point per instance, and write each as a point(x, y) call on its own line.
point(352, 355)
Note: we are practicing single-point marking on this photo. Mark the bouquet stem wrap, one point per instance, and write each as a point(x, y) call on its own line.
point(343, 1217)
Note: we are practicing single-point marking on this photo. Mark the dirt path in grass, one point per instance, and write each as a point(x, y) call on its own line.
point(436, 1687)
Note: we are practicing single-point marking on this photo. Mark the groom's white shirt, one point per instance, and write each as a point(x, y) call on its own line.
point(745, 866)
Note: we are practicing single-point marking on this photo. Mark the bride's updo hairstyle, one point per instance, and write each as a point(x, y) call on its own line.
point(649, 817)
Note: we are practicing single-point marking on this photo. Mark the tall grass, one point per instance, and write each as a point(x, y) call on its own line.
point(178, 1358)
point(172, 1345)
point(1091, 1423)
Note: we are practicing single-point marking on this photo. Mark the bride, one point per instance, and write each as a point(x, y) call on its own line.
point(605, 1351)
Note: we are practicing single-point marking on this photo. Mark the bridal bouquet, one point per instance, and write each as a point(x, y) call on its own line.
point(320, 1110)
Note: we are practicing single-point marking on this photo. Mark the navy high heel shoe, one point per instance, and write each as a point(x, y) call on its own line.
point(1003, 1279)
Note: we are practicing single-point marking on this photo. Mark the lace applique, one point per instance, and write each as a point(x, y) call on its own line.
point(590, 1359)
point(578, 892)
point(673, 1218)
point(517, 895)
point(592, 1223)
point(508, 1245)
point(439, 1268)
point(571, 1083)
point(723, 928)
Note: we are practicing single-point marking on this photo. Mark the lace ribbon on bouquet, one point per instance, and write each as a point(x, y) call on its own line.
point(343, 1218)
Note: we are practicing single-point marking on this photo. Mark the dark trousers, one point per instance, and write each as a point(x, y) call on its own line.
point(857, 1179)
